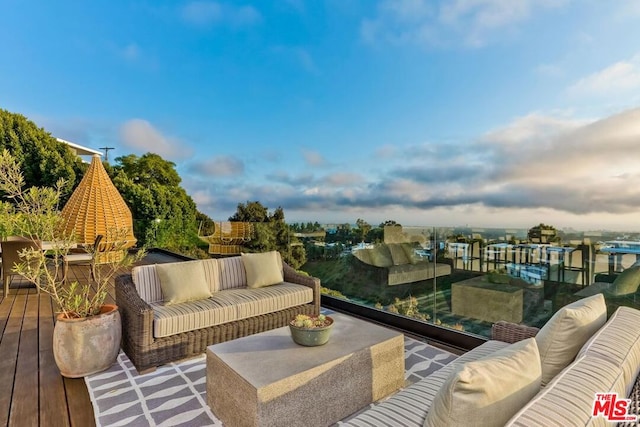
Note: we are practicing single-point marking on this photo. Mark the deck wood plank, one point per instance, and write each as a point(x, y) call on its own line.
point(53, 399)
point(80, 407)
point(9, 352)
point(33, 392)
point(23, 404)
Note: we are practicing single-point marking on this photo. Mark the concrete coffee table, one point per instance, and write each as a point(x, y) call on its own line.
point(267, 380)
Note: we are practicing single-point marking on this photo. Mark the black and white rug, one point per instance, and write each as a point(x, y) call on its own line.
point(175, 394)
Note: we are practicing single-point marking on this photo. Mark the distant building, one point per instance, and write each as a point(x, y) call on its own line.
point(79, 150)
point(330, 228)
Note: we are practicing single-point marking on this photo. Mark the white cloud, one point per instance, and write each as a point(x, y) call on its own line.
point(219, 166)
point(306, 60)
point(297, 5)
point(549, 70)
point(385, 152)
point(343, 179)
point(208, 13)
point(131, 51)
point(569, 157)
point(300, 55)
point(202, 12)
point(139, 135)
point(537, 168)
point(621, 77)
point(531, 130)
point(407, 10)
point(467, 22)
point(313, 158)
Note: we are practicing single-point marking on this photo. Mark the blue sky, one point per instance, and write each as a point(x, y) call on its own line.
point(479, 112)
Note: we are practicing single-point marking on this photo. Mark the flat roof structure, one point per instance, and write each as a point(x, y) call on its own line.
point(79, 149)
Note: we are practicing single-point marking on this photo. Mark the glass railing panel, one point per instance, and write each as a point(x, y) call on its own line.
point(467, 278)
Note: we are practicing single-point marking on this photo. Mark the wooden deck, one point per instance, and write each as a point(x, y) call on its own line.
point(32, 391)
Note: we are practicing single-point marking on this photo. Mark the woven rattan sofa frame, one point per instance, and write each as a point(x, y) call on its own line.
point(147, 352)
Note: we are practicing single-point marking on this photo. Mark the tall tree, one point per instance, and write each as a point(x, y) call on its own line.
point(363, 228)
point(251, 212)
point(270, 232)
point(164, 214)
point(41, 157)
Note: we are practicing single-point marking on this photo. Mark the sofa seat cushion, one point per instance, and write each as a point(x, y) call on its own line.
point(409, 407)
point(184, 317)
point(568, 399)
point(226, 306)
point(619, 342)
point(255, 302)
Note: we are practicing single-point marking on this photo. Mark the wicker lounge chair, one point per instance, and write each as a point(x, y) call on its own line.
point(11, 249)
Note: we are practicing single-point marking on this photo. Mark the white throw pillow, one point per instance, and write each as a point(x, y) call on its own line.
point(182, 282)
point(263, 269)
point(489, 391)
point(567, 331)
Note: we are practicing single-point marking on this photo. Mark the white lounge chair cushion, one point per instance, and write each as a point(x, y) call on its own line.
point(78, 257)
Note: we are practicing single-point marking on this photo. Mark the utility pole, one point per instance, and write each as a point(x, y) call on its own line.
point(106, 152)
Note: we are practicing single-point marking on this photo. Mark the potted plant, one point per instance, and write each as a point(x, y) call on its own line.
point(87, 332)
point(311, 330)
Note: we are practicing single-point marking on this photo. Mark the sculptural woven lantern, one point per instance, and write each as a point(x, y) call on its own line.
point(96, 207)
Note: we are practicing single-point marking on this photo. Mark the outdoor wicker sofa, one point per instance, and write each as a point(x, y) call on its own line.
point(154, 332)
point(474, 389)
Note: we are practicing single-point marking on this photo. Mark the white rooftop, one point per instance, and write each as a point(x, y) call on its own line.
point(80, 150)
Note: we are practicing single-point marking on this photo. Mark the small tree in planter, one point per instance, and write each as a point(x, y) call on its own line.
point(33, 213)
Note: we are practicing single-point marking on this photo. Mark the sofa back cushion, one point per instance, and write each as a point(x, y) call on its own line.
point(232, 273)
point(565, 333)
point(618, 341)
point(147, 282)
point(568, 399)
point(183, 282)
point(490, 390)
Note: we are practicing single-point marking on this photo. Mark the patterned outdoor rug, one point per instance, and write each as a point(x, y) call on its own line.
point(175, 394)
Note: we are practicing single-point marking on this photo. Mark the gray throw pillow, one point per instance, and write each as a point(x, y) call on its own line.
point(263, 269)
point(182, 282)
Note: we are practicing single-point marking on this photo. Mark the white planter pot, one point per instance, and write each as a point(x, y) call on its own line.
point(88, 345)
